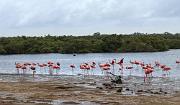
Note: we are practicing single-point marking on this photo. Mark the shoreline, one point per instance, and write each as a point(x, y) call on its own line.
point(77, 90)
point(89, 53)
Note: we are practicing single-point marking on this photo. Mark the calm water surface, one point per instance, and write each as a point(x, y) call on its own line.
point(7, 62)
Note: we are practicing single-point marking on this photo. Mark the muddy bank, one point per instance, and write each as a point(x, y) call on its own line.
point(96, 90)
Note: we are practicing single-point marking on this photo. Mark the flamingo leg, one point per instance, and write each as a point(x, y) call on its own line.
point(50, 71)
point(18, 71)
point(56, 71)
point(23, 71)
point(113, 70)
point(145, 78)
point(34, 73)
point(130, 72)
point(72, 71)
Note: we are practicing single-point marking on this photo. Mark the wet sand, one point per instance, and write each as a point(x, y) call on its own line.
point(92, 90)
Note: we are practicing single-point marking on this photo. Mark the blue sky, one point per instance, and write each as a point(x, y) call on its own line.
point(82, 17)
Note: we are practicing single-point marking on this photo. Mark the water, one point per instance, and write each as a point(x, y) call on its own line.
point(7, 62)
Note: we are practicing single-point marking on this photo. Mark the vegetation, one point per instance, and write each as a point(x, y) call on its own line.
point(96, 43)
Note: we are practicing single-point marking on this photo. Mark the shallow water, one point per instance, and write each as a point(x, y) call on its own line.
point(168, 58)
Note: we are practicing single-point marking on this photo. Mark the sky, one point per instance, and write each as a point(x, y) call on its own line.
point(84, 17)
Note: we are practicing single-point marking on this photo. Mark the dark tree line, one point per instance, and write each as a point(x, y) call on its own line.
point(96, 43)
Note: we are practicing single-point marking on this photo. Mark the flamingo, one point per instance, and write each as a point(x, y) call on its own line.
point(121, 62)
point(41, 66)
point(85, 66)
point(34, 64)
point(33, 68)
point(45, 65)
point(121, 65)
point(113, 63)
point(157, 64)
point(58, 63)
point(148, 73)
point(162, 66)
point(177, 61)
point(142, 64)
point(94, 63)
point(106, 69)
point(93, 66)
point(72, 66)
point(131, 62)
point(50, 64)
point(24, 68)
point(27, 64)
point(137, 63)
point(104, 66)
point(18, 66)
point(56, 67)
point(166, 69)
point(129, 68)
point(149, 66)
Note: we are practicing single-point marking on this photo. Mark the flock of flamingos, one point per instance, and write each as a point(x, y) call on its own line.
point(87, 68)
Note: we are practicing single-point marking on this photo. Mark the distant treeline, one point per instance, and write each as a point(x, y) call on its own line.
point(96, 43)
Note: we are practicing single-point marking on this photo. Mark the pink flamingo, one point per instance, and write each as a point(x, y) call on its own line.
point(142, 64)
point(56, 67)
point(157, 64)
point(88, 67)
point(120, 63)
point(93, 66)
point(85, 67)
point(106, 69)
point(113, 63)
point(104, 66)
point(162, 66)
point(41, 66)
point(34, 64)
point(33, 68)
point(129, 68)
point(177, 62)
point(18, 66)
point(50, 64)
point(23, 67)
point(166, 69)
point(148, 73)
point(137, 63)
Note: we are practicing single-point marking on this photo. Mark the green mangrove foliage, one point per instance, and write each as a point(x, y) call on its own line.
point(96, 43)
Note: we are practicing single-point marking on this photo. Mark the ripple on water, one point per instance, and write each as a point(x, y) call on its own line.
point(65, 102)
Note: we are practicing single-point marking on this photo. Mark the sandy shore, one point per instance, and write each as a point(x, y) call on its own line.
point(94, 90)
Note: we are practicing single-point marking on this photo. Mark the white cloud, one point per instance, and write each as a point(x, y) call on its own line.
point(88, 16)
